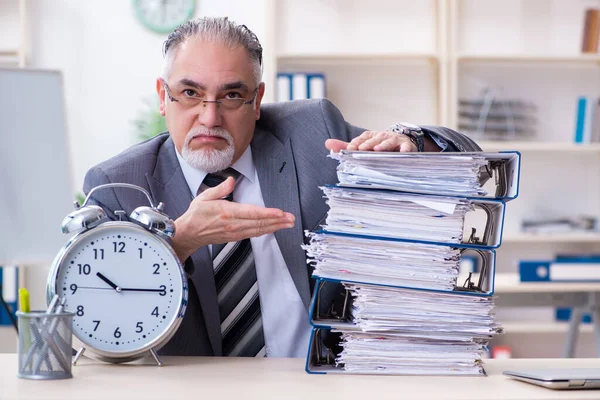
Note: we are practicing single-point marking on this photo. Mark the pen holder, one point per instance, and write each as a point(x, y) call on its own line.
point(45, 345)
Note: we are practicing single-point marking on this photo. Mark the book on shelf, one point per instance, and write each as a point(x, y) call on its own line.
point(563, 314)
point(297, 86)
point(591, 31)
point(587, 122)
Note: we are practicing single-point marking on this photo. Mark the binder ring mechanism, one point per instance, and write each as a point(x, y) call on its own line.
point(469, 285)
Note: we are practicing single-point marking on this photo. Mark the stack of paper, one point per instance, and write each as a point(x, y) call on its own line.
point(396, 215)
point(388, 258)
point(358, 259)
point(420, 173)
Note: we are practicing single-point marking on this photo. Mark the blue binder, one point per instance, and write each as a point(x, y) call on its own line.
point(487, 237)
point(564, 269)
point(9, 283)
point(331, 301)
point(504, 167)
point(564, 314)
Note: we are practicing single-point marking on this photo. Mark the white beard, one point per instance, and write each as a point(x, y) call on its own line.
point(209, 160)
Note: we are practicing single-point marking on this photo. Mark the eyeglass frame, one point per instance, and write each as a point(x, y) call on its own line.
point(204, 102)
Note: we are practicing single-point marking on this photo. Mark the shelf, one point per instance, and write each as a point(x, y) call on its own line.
point(501, 145)
point(579, 237)
point(506, 283)
point(314, 58)
point(524, 58)
point(542, 327)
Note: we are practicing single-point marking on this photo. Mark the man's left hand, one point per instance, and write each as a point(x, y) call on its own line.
point(374, 141)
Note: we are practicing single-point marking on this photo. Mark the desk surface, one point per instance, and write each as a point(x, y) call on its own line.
point(274, 378)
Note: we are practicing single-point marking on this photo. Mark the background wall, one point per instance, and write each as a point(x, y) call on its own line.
point(385, 60)
point(110, 64)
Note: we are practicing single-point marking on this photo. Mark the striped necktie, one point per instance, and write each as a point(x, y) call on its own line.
point(237, 289)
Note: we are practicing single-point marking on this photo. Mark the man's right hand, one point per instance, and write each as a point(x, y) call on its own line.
point(211, 220)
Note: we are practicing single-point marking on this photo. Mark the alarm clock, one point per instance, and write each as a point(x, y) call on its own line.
point(121, 279)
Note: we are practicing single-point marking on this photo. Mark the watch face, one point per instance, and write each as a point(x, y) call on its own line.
point(124, 285)
point(163, 16)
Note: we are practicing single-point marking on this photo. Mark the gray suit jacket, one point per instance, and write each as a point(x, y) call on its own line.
point(290, 157)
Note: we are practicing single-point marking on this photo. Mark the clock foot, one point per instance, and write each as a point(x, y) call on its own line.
point(160, 364)
point(79, 354)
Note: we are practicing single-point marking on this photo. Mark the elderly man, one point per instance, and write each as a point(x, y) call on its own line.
point(242, 181)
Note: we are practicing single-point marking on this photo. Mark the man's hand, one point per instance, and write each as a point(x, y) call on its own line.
point(374, 141)
point(210, 220)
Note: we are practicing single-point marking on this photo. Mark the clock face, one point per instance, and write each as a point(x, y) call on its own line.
point(163, 16)
point(124, 285)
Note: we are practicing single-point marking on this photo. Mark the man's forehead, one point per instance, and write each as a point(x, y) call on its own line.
point(202, 61)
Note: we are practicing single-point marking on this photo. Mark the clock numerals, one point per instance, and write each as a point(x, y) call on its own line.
point(163, 291)
point(73, 288)
point(155, 312)
point(141, 252)
point(98, 252)
point(117, 333)
point(84, 269)
point(97, 322)
point(156, 268)
point(80, 311)
point(139, 328)
point(119, 247)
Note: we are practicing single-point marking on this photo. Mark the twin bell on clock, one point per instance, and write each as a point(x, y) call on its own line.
point(121, 279)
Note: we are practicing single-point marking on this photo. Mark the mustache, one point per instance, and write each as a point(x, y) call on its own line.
point(216, 132)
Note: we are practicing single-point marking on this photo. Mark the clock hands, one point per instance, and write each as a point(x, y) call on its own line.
point(142, 290)
point(111, 283)
point(120, 289)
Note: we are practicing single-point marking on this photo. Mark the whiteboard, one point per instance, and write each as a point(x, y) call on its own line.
point(36, 190)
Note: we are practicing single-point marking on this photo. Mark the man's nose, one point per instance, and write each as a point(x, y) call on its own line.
point(209, 114)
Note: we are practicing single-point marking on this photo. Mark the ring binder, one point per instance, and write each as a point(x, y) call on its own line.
point(390, 295)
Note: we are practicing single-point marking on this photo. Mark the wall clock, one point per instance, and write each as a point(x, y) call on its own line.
point(163, 16)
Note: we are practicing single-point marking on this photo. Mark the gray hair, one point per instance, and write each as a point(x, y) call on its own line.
point(217, 30)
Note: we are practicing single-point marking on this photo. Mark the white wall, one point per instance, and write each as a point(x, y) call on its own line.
point(110, 63)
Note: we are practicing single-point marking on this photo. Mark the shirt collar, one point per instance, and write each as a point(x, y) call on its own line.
point(194, 176)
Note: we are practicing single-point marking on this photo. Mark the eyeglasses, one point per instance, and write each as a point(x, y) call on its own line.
point(190, 99)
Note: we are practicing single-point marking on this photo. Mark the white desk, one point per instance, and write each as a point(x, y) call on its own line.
point(581, 296)
point(274, 378)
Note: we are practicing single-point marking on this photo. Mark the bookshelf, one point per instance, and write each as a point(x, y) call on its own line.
point(511, 328)
point(533, 146)
point(546, 238)
point(366, 71)
point(412, 61)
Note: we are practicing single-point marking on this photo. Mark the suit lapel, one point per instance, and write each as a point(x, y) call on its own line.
point(167, 184)
point(276, 169)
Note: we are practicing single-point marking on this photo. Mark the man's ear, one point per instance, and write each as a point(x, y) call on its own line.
point(259, 97)
point(160, 90)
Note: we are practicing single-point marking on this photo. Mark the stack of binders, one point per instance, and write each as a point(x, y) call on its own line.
point(389, 295)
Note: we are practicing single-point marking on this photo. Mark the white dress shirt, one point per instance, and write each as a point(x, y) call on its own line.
point(285, 319)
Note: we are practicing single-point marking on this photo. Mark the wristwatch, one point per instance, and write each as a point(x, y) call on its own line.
point(414, 132)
